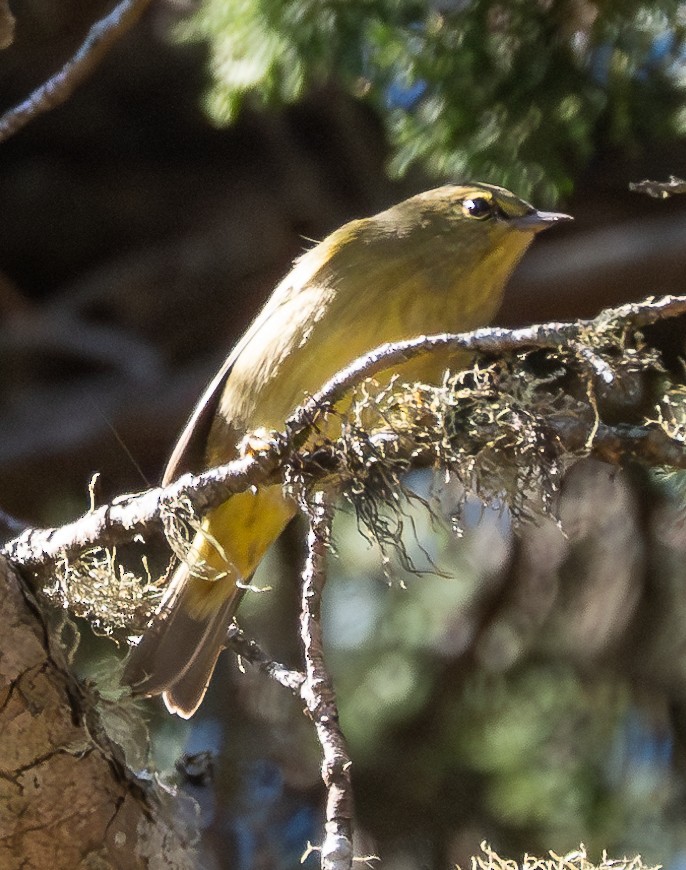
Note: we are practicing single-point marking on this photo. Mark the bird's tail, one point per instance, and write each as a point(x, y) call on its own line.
point(176, 656)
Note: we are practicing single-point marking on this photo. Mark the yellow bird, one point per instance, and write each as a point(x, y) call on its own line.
point(436, 262)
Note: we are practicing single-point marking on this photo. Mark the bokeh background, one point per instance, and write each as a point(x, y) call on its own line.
point(535, 696)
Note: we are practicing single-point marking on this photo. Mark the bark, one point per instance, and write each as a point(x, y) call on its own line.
point(67, 799)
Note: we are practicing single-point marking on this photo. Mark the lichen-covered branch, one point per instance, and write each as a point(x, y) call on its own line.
point(616, 444)
point(535, 400)
point(489, 340)
point(139, 514)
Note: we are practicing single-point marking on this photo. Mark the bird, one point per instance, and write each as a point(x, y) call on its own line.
point(435, 262)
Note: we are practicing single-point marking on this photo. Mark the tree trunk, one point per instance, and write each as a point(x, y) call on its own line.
point(67, 799)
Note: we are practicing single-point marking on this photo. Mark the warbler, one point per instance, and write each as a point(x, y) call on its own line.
point(433, 263)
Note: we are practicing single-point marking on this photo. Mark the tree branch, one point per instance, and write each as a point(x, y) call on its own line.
point(249, 650)
point(615, 444)
point(139, 513)
point(659, 189)
point(489, 340)
point(57, 89)
point(319, 696)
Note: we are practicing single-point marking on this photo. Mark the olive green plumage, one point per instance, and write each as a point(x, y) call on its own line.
point(436, 262)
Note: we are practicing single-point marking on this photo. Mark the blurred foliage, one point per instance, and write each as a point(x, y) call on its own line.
point(538, 749)
point(521, 91)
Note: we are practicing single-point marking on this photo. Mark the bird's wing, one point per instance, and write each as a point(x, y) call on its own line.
point(189, 451)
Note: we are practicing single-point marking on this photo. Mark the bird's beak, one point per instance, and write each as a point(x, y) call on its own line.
point(537, 221)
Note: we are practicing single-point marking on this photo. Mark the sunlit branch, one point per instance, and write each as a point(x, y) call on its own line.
point(139, 513)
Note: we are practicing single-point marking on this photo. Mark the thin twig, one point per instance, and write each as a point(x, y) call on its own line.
point(139, 513)
point(57, 89)
point(659, 189)
point(319, 696)
point(251, 651)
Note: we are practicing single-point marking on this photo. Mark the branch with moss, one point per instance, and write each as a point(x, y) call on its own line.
point(577, 859)
point(596, 345)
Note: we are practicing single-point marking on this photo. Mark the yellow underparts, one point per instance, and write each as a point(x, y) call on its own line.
point(231, 542)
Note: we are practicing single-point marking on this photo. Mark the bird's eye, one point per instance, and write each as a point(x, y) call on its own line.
point(478, 208)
